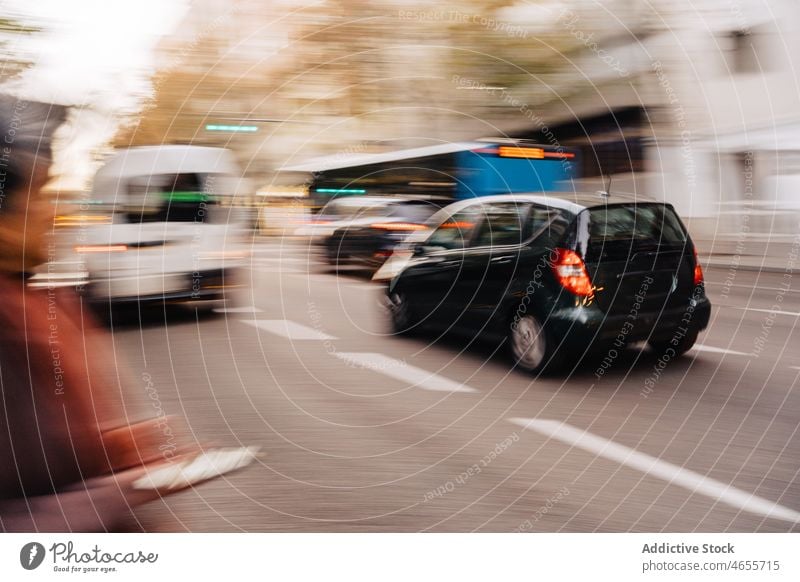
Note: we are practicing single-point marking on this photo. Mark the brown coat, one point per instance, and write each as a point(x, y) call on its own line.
point(50, 388)
point(68, 456)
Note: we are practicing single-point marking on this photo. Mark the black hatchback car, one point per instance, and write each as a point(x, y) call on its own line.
point(553, 275)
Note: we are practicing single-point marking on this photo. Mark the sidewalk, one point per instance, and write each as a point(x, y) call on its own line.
point(765, 256)
point(748, 263)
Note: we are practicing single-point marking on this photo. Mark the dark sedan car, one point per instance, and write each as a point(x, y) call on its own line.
point(554, 275)
point(368, 243)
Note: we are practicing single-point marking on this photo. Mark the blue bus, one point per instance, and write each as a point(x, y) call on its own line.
point(449, 171)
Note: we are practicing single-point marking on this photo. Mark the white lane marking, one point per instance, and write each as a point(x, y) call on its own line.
point(60, 275)
point(247, 309)
point(400, 370)
point(713, 350)
point(794, 367)
point(288, 329)
point(654, 467)
point(53, 284)
point(792, 313)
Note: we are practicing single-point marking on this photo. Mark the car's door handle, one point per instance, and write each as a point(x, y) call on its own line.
point(501, 260)
point(445, 263)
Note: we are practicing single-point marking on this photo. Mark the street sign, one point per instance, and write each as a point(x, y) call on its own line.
point(232, 128)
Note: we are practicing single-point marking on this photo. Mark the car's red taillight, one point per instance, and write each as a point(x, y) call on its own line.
point(571, 273)
point(398, 226)
point(101, 249)
point(698, 271)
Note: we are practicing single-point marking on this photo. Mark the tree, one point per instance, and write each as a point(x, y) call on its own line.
point(14, 59)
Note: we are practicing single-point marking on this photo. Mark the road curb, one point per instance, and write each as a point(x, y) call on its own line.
point(742, 267)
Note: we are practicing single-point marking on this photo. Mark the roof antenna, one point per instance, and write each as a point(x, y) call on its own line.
point(607, 188)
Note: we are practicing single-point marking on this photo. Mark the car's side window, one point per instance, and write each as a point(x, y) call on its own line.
point(456, 231)
point(540, 219)
point(503, 224)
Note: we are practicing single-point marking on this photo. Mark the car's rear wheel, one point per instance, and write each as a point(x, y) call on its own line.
point(532, 347)
point(334, 259)
point(681, 347)
point(401, 313)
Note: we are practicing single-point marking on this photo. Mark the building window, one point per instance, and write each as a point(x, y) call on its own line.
point(624, 156)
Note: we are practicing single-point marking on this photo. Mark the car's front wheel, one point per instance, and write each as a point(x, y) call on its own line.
point(532, 347)
point(335, 259)
point(401, 313)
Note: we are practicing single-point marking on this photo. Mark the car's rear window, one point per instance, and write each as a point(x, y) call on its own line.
point(635, 226)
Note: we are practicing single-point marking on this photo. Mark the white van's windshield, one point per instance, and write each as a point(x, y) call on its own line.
point(170, 198)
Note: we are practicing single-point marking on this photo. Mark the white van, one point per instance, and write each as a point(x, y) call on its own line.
point(171, 231)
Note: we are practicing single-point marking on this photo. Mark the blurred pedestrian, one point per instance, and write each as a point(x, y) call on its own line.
point(56, 462)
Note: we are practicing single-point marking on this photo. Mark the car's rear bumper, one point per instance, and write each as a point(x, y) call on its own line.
point(200, 287)
point(202, 299)
point(589, 325)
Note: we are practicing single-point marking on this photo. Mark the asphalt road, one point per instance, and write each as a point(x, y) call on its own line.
point(363, 431)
